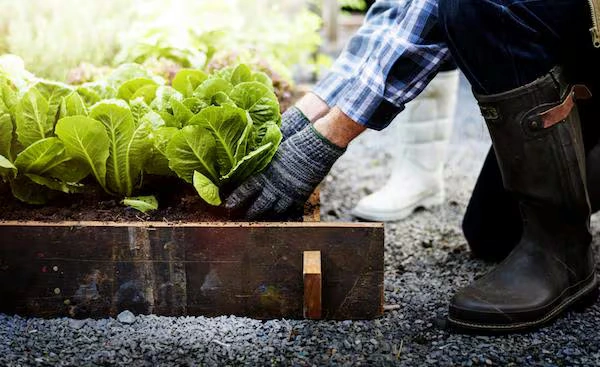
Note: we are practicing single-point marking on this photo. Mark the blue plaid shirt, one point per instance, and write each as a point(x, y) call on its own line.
point(388, 62)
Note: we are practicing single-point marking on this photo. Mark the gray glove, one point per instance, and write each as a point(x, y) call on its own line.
point(298, 167)
point(292, 121)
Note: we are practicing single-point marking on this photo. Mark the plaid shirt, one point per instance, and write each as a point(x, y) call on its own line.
point(388, 62)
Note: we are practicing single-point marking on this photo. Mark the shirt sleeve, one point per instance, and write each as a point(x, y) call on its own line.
point(388, 62)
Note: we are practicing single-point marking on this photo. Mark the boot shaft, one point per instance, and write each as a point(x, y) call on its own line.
point(537, 138)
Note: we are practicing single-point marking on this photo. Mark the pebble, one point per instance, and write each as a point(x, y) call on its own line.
point(126, 317)
point(77, 324)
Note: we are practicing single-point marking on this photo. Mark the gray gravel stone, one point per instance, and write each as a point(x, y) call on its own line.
point(126, 317)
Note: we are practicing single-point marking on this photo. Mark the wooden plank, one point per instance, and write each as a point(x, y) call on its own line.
point(312, 285)
point(98, 269)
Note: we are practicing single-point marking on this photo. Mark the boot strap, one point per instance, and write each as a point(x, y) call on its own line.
point(559, 113)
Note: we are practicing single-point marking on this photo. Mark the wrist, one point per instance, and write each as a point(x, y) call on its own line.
point(312, 106)
point(337, 128)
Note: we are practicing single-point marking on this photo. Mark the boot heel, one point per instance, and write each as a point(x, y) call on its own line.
point(586, 301)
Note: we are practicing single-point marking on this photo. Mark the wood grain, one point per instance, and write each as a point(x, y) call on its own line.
point(96, 269)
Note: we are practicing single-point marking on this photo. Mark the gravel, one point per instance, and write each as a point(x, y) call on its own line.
point(426, 261)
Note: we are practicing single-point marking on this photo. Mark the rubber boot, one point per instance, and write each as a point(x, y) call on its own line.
point(423, 129)
point(537, 138)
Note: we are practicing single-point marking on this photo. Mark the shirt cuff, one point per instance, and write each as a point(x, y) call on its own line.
point(357, 100)
point(331, 88)
point(367, 107)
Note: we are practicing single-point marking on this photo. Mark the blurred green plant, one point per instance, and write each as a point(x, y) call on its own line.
point(283, 34)
point(53, 36)
point(354, 5)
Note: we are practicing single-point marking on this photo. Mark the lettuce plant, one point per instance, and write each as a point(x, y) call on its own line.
point(32, 160)
point(211, 130)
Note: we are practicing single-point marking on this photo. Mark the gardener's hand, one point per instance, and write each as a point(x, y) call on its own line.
point(299, 165)
point(292, 121)
point(308, 108)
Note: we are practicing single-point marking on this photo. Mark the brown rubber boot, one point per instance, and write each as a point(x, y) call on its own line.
point(537, 137)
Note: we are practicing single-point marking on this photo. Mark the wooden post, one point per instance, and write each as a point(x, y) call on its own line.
point(312, 285)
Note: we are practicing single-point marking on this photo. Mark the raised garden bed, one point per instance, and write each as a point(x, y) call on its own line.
point(97, 268)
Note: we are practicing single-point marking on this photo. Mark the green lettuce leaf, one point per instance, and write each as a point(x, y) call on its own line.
point(193, 148)
point(147, 93)
point(73, 105)
point(158, 163)
point(187, 80)
point(7, 169)
point(209, 88)
point(264, 79)
point(56, 185)
point(241, 74)
point(8, 97)
point(86, 140)
point(143, 204)
point(128, 90)
point(248, 165)
point(71, 171)
point(32, 118)
point(42, 156)
point(129, 71)
point(164, 95)
point(206, 189)
point(181, 113)
point(227, 125)
point(54, 93)
point(6, 135)
point(129, 146)
point(94, 92)
point(139, 108)
point(260, 102)
point(194, 104)
point(24, 189)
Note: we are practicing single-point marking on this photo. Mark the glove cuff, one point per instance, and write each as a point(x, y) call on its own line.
point(292, 121)
point(314, 150)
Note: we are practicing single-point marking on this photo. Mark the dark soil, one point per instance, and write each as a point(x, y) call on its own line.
point(178, 202)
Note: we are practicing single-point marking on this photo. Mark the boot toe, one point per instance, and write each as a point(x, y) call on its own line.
point(498, 310)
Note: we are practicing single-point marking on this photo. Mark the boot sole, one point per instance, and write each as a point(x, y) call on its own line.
point(579, 301)
point(426, 202)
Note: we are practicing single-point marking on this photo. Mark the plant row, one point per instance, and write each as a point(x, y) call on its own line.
point(210, 130)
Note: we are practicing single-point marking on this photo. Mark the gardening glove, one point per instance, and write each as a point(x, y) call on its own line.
point(292, 121)
point(299, 165)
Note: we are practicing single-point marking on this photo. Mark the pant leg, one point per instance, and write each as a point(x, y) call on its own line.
point(503, 44)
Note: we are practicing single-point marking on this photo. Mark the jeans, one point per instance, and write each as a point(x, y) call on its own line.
point(502, 45)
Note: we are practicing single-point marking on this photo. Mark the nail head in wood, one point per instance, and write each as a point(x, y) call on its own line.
point(312, 285)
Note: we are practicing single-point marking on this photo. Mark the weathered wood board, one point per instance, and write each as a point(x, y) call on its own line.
point(95, 269)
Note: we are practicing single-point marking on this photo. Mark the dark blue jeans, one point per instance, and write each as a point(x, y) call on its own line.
point(501, 45)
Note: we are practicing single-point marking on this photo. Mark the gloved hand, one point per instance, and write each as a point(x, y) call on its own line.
point(297, 168)
point(292, 121)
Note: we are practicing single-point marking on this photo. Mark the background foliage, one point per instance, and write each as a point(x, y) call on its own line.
point(55, 36)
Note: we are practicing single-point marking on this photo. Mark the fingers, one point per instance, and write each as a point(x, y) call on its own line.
point(283, 205)
point(263, 205)
point(246, 192)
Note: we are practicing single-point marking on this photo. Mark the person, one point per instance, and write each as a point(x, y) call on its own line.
point(423, 131)
point(522, 62)
point(528, 63)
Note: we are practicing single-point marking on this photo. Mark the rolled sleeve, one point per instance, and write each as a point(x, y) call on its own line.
point(389, 61)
